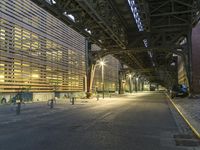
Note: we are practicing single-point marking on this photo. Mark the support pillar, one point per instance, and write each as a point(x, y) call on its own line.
point(121, 82)
point(90, 69)
point(143, 85)
point(188, 61)
point(195, 54)
point(130, 85)
point(136, 84)
point(139, 84)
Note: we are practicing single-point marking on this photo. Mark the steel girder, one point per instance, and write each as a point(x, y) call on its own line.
point(169, 22)
point(166, 24)
point(170, 49)
point(95, 19)
point(170, 13)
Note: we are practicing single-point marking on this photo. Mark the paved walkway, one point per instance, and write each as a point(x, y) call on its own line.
point(41, 109)
point(190, 109)
point(141, 121)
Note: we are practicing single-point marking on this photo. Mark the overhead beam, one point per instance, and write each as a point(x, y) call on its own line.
point(172, 13)
point(100, 21)
point(183, 3)
point(162, 5)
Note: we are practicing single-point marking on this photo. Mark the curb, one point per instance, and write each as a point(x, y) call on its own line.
point(185, 118)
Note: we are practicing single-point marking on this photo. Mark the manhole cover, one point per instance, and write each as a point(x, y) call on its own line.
point(186, 140)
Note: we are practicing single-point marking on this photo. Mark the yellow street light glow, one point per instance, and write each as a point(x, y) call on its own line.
point(102, 63)
point(129, 75)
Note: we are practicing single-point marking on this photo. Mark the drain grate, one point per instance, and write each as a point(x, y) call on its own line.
point(186, 140)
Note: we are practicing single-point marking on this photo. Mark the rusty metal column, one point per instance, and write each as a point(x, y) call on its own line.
point(136, 83)
point(121, 82)
point(130, 84)
point(142, 84)
point(189, 61)
point(139, 84)
point(90, 68)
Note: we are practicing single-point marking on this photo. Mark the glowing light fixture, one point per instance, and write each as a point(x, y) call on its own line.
point(88, 31)
point(102, 63)
point(51, 2)
point(70, 16)
point(145, 42)
point(136, 15)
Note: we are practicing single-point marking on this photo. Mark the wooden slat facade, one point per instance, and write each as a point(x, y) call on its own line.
point(38, 52)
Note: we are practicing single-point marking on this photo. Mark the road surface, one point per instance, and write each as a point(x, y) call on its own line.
point(140, 121)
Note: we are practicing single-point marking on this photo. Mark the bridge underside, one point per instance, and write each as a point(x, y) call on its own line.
point(148, 44)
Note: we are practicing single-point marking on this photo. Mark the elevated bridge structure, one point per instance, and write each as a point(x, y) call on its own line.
point(145, 35)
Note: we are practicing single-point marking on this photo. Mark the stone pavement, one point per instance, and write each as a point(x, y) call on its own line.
point(190, 109)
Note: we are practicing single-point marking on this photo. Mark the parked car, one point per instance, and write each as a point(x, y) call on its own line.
point(179, 90)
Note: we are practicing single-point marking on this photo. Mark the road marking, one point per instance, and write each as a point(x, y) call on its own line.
point(185, 118)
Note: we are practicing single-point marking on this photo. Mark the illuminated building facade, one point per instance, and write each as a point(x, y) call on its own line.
point(110, 75)
point(111, 71)
point(38, 52)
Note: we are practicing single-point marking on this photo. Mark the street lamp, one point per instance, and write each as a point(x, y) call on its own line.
point(102, 64)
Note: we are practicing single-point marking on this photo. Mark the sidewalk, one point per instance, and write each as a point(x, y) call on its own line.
point(190, 108)
point(41, 108)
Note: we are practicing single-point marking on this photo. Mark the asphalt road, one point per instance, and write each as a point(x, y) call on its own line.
point(135, 122)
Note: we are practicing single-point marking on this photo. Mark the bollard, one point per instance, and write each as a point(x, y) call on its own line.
point(51, 103)
point(97, 97)
point(110, 95)
point(73, 99)
point(18, 108)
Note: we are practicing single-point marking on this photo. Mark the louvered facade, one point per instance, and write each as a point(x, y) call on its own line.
point(41, 55)
point(38, 52)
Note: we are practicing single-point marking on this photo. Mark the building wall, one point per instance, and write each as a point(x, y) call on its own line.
point(38, 53)
point(111, 68)
point(196, 59)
